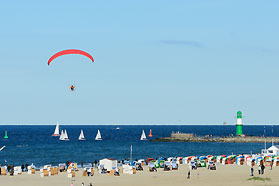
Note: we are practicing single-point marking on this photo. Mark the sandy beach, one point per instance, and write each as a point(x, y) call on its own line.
point(225, 175)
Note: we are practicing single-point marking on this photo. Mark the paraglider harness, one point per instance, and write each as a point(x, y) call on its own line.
point(72, 88)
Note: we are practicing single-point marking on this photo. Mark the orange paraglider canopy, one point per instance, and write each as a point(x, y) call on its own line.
point(70, 51)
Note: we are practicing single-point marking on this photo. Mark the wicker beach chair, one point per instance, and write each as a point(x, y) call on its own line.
point(3, 171)
point(45, 172)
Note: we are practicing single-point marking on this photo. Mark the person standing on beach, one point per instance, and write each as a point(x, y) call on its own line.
point(26, 166)
point(189, 173)
point(262, 167)
point(259, 169)
point(252, 171)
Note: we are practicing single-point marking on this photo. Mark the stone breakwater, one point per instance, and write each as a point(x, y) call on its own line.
point(182, 137)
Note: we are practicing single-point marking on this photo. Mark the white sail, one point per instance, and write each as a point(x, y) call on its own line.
point(56, 132)
point(81, 136)
point(98, 136)
point(143, 136)
point(62, 135)
point(66, 135)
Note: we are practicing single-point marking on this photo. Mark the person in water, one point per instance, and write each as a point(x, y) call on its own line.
point(72, 87)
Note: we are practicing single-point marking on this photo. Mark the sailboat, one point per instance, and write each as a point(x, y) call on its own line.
point(62, 135)
point(56, 131)
point(98, 136)
point(66, 136)
point(143, 136)
point(81, 136)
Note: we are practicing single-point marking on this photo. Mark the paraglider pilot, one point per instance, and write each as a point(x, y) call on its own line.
point(72, 87)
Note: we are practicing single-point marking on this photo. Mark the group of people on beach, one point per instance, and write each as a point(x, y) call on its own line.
point(10, 168)
point(261, 168)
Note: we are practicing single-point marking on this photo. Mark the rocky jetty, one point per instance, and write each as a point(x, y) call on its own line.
point(189, 137)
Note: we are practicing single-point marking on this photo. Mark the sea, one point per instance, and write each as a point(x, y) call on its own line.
point(35, 143)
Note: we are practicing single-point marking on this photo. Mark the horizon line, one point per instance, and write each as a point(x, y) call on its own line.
point(138, 124)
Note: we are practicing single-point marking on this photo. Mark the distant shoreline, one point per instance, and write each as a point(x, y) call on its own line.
point(138, 124)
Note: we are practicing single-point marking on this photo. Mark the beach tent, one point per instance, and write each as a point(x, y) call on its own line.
point(108, 164)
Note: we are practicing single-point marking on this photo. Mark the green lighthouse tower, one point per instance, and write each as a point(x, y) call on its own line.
point(6, 135)
point(239, 124)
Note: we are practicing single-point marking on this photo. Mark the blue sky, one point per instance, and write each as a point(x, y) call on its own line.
point(156, 62)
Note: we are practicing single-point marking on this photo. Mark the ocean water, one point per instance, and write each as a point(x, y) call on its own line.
point(34, 144)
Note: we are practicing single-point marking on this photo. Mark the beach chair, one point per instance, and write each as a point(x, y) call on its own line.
point(51, 171)
point(45, 172)
point(29, 169)
point(111, 172)
point(3, 171)
point(174, 166)
point(55, 169)
point(73, 173)
point(84, 172)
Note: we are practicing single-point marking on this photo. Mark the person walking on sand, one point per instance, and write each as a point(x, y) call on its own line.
point(262, 167)
point(259, 169)
point(252, 171)
point(189, 173)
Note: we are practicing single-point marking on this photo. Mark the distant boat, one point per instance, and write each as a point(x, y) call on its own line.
point(81, 136)
point(117, 128)
point(150, 133)
point(98, 136)
point(143, 136)
point(64, 136)
point(56, 131)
